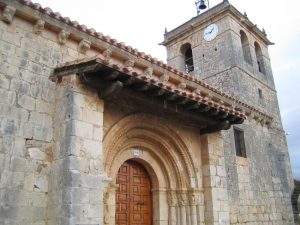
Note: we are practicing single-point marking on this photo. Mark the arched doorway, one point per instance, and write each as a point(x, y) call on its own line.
point(133, 195)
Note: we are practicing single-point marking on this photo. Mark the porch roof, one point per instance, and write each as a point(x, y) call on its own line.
point(108, 76)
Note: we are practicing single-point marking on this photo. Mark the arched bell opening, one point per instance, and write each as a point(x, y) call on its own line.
point(187, 57)
point(246, 47)
point(259, 58)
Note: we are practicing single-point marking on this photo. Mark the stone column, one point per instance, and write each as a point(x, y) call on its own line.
point(109, 204)
point(79, 129)
point(182, 206)
point(188, 214)
point(172, 202)
point(160, 206)
point(214, 180)
point(178, 213)
point(200, 208)
point(193, 208)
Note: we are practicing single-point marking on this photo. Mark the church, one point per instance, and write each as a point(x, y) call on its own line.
point(95, 132)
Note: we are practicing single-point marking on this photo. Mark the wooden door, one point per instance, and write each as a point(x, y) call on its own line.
point(133, 197)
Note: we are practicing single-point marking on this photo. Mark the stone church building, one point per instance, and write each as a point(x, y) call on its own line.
point(95, 132)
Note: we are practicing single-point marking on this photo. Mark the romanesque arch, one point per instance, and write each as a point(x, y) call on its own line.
point(165, 155)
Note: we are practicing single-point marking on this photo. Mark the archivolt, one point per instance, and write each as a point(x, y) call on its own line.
point(154, 136)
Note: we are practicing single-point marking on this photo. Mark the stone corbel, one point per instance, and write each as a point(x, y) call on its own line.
point(182, 85)
point(148, 72)
point(8, 14)
point(39, 26)
point(107, 55)
point(164, 78)
point(63, 37)
point(84, 46)
point(129, 64)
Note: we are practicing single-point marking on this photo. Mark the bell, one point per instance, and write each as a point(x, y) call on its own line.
point(202, 5)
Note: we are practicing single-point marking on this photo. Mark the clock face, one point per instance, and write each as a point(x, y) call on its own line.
point(210, 32)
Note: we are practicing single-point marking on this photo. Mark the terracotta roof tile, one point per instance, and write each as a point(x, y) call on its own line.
point(121, 45)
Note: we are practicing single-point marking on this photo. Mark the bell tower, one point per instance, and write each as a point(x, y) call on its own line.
point(224, 48)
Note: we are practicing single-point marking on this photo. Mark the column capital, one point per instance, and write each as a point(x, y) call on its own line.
point(172, 198)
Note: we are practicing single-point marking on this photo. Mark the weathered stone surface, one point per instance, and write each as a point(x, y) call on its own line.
point(259, 187)
point(61, 146)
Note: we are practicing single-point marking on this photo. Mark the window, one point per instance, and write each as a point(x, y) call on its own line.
point(239, 142)
point(259, 58)
point(260, 96)
point(186, 51)
point(246, 47)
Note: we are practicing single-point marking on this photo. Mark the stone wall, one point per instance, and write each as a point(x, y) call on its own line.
point(259, 186)
point(26, 114)
point(54, 169)
point(51, 133)
point(42, 133)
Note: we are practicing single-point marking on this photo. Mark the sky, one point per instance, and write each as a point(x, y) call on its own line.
point(141, 24)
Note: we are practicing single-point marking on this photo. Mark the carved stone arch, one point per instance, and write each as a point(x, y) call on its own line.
point(154, 131)
point(159, 169)
point(153, 143)
point(165, 156)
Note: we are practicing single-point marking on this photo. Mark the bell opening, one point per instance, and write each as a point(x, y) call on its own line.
point(202, 6)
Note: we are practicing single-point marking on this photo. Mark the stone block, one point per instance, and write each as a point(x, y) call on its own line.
point(78, 164)
point(77, 196)
point(40, 184)
point(4, 82)
point(92, 117)
point(93, 149)
point(8, 126)
point(80, 129)
point(77, 179)
point(44, 107)
point(98, 133)
point(29, 182)
point(26, 102)
point(7, 97)
point(221, 171)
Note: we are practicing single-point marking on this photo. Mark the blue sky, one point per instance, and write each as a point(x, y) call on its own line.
point(141, 24)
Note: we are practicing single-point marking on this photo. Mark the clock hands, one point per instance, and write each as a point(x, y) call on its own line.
point(210, 31)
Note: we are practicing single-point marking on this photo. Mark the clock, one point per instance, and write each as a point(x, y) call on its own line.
point(210, 32)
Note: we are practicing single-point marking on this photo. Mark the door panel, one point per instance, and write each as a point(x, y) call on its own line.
point(133, 197)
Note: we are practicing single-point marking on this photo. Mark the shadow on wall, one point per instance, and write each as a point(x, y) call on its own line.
point(296, 202)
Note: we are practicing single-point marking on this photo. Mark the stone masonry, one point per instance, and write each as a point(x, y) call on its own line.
point(259, 187)
point(62, 140)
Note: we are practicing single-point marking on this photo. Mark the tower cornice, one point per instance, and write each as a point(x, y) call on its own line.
point(218, 10)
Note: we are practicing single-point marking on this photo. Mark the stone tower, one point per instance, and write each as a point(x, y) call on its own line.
point(225, 49)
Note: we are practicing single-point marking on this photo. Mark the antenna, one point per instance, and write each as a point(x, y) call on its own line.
point(201, 5)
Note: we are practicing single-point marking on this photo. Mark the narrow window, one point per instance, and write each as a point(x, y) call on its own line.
point(259, 58)
point(246, 47)
point(186, 51)
point(239, 142)
point(260, 96)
